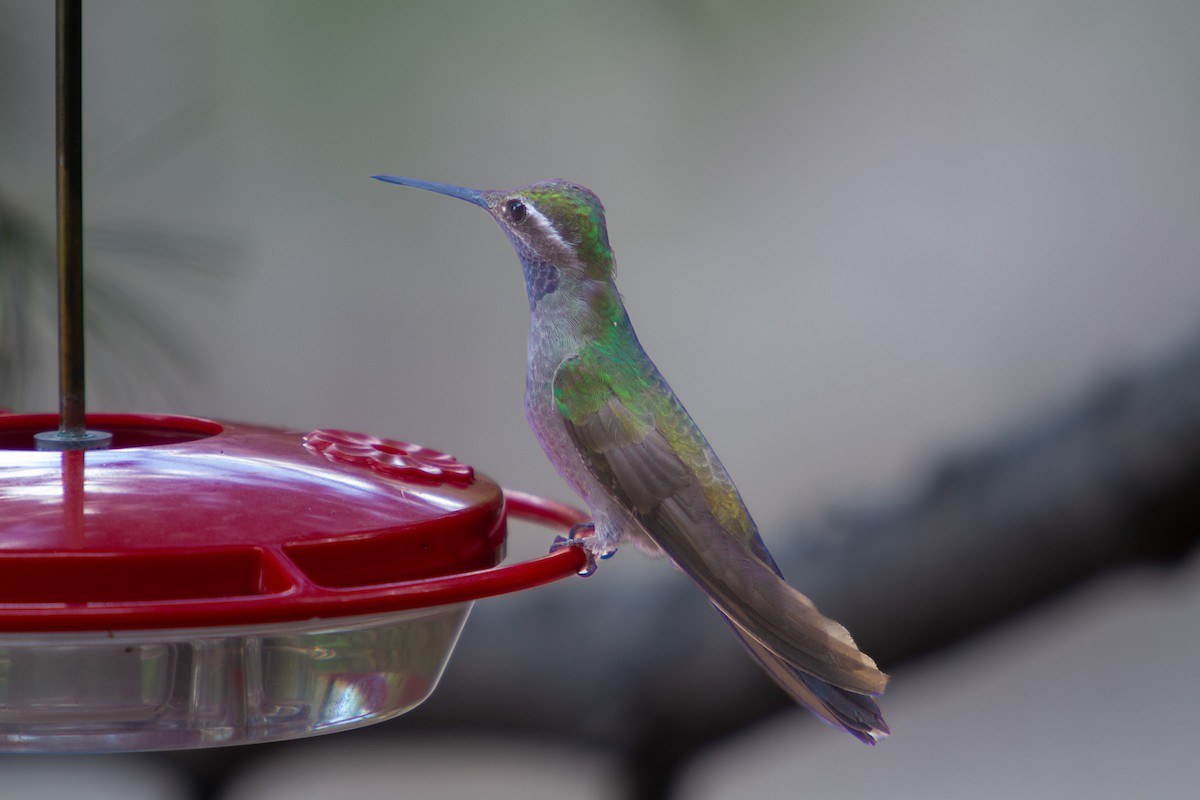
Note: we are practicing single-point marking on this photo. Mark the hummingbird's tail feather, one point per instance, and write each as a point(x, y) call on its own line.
point(759, 602)
point(854, 713)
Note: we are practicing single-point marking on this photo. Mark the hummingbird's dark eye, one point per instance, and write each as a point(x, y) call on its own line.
point(515, 210)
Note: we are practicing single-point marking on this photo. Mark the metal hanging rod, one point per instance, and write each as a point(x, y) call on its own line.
point(72, 433)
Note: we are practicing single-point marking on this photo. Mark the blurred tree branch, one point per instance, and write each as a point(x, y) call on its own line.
point(1109, 482)
point(650, 674)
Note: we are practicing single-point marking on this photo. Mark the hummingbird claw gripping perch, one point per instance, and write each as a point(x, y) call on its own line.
point(589, 568)
point(616, 432)
point(583, 535)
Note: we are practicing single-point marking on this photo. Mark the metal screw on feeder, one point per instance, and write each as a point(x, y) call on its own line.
point(172, 582)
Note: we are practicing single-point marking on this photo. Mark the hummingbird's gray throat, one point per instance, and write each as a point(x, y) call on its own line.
point(540, 280)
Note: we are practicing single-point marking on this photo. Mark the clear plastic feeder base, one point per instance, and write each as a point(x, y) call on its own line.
point(155, 689)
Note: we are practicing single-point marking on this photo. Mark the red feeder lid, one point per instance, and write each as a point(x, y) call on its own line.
point(188, 522)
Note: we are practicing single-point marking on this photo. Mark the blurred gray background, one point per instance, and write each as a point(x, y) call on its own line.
point(853, 236)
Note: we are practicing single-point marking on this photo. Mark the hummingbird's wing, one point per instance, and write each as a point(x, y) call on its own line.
point(639, 443)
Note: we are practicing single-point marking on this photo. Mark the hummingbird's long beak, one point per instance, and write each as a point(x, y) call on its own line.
point(461, 192)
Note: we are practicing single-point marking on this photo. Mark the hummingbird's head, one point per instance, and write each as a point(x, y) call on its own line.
point(556, 223)
point(557, 227)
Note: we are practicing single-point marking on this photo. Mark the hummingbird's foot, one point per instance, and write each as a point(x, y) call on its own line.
point(582, 535)
point(589, 567)
point(586, 531)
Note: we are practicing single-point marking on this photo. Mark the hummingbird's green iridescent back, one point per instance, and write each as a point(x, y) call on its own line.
point(619, 436)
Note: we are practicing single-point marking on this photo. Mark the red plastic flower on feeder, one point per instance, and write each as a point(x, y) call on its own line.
point(390, 457)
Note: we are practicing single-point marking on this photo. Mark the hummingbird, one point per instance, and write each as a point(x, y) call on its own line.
point(614, 429)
